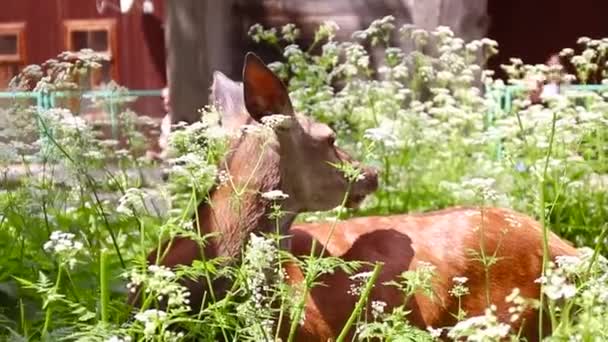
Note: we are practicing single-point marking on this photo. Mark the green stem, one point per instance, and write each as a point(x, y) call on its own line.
point(598, 246)
point(544, 225)
point(49, 312)
point(484, 259)
point(310, 275)
point(23, 320)
point(280, 264)
point(361, 302)
point(104, 286)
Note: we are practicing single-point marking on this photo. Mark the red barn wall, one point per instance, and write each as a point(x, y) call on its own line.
point(140, 38)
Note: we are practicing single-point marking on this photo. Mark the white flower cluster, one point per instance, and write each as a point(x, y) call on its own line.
point(70, 132)
point(520, 304)
point(481, 328)
point(132, 202)
point(152, 320)
point(65, 119)
point(259, 268)
point(434, 332)
point(62, 242)
point(206, 128)
point(64, 247)
point(475, 189)
point(162, 283)
point(223, 177)
point(378, 308)
point(277, 121)
point(383, 134)
point(359, 281)
point(556, 285)
point(459, 289)
point(195, 167)
point(275, 195)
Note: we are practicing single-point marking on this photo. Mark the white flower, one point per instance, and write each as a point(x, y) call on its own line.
point(132, 201)
point(566, 52)
point(359, 280)
point(560, 290)
point(383, 134)
point(262, 278)
point(444, 30)
point(275, 195)
point(223, 176)
point(216, 133)
point(480, 328)
point(152, 319)
point(63, 245)
point(277, 121)
point(162, 283)
point(519, 304)
point(361, 276)
point(555, 284)
point(489, 42)
point(161, 271)
point(434, 332)
point(459, 288)
point(460, 280)
point(378, 308)
point(570, 264)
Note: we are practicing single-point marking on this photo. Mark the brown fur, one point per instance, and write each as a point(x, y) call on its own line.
point(231, 221)
point(443, 238)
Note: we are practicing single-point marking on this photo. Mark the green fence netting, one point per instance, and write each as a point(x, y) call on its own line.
point(110, 103)
point(104, 105)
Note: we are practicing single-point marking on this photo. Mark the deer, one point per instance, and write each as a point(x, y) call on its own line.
point(444, 238)
point(299, 160)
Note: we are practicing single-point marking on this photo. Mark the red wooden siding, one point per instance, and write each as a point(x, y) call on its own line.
point(140, 42)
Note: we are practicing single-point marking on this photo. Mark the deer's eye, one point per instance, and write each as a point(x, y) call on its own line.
point(331, 139)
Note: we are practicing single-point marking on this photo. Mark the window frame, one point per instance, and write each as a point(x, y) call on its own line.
point(105, 24)
point(18, 29)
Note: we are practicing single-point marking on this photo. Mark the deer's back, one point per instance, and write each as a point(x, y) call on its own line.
point(451, 240)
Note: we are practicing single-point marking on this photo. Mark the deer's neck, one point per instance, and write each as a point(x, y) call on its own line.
point(236, 208)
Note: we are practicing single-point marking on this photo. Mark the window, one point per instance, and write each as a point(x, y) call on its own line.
point(98, 35)
point(12, 51)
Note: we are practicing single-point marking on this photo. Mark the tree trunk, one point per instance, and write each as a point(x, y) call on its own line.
point(467, 18)
point(196, 36)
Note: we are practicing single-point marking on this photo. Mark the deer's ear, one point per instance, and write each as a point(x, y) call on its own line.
point(227, 95)
point(265, 94)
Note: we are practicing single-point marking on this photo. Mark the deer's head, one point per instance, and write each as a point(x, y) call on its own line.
point(307, 152)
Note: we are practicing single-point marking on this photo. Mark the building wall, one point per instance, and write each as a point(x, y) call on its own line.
point(140, 44)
